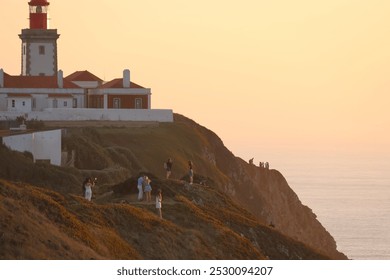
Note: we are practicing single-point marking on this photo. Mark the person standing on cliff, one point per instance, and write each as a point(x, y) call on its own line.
point(191, 172)
point(168, 167)
point(148, 189)
point(84, 185)
point(88, 189)
point(140, 183)
point(159, 203)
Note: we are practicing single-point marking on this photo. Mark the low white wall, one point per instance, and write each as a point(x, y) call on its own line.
point(45, 145)
point(81, 114)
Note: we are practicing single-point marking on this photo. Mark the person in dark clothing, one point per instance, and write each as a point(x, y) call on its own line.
point(191, 172)
point(168, 167)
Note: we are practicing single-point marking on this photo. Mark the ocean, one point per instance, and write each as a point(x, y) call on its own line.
point(350, 196)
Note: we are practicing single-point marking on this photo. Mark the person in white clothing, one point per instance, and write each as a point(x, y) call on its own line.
point(88, 189)
point(159, 203)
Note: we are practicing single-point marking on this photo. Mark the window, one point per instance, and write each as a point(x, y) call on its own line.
point(74, 102)
point(41, 50)
point(13, 103)
point(24, 50)
point(138, 103)
point(34, 103)
point(65, 103)
point(23, 103)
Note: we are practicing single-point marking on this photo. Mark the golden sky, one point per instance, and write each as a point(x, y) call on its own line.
point(263, 75)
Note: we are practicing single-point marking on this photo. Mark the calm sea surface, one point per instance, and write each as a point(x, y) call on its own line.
point(350, 196)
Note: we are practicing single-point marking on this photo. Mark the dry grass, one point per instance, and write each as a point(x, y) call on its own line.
point(38, 223)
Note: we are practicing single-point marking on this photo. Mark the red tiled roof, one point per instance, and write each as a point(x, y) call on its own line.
point(118, 83)
point(60, 95)
point(83, 76)
point(35, 82)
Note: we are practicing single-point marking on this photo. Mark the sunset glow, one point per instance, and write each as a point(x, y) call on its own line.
point(261, 74)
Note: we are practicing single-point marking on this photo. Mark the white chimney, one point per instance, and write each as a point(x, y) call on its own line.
point(1, 78)
point(60, 79)
point(126, 78)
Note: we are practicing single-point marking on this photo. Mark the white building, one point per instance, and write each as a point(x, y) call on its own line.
point(26, 94)
point(44, 145)
point(41, 92)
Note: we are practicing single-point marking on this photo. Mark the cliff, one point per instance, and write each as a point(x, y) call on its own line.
point(259, 197)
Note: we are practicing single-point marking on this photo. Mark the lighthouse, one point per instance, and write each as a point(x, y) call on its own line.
point(39, 44)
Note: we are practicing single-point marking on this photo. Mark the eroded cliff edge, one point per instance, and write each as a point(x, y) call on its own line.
point(266, 194)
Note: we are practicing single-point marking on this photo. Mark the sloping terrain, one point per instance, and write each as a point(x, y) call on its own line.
point(115, 154)
point(199, 223)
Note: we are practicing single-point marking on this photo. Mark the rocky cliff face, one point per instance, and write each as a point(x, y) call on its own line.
point(267, 195)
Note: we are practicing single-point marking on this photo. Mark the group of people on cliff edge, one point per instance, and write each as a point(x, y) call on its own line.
point(143, 185)
point(263, 165)
point(168, 168)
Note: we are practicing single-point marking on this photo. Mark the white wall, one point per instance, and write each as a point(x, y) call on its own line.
point(41, 102)
point(3, 102)
point(91, 84)
point(61, 102)
point(81, 114)
point(22, 105)
point(44, 145)
point(42, 63)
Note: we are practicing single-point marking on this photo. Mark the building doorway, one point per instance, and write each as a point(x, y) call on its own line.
point(138, 103)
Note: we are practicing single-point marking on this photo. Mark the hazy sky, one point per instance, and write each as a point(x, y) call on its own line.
point(264, 75)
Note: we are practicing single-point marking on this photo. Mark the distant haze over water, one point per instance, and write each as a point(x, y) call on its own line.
point(350, 196)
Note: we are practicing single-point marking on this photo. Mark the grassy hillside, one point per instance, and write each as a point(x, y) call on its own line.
point(199, 223)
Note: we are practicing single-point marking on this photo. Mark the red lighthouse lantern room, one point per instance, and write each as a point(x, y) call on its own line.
point(38, 14)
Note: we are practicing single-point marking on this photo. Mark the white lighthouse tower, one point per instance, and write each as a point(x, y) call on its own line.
point(39, 44)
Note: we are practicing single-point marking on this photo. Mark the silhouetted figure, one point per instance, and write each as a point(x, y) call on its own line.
point(168, 167)
point(266, 165)
point(261, 165)
point(191, 172)
point(251, 161)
